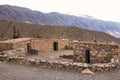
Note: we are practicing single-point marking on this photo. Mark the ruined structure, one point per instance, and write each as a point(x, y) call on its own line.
point(94, 52)
point(48, 45)
point(33, 45)
point(18, 47)
point(87, 55)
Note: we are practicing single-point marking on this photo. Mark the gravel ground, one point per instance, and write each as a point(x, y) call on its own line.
point(10, 71)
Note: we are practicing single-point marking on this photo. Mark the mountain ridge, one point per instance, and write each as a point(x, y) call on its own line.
point(32, 16)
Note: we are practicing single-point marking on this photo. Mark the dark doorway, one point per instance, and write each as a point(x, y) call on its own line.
point(87, 56)
point(55, 46)
point(28, 47)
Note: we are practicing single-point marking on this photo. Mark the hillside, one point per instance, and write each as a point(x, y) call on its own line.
point(46, 31)
point(30, 16)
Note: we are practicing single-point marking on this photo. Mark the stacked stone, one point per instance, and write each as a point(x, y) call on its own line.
point(99, 52)
point(67, 57)
point(14, 53)
point(61, 65)
point(4, 58)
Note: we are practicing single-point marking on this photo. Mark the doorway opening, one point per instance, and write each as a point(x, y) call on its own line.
point(28, 47)
point(87, 56)
point(55, 46)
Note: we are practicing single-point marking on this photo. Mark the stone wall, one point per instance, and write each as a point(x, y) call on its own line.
point(22, 44)
point(19, 52)
point(38, 46)
point(45, 46)
point(15, 45)
point(61, 43)
point(7, 46)
point(42, 45)
point(99, 52)
point(61, 65)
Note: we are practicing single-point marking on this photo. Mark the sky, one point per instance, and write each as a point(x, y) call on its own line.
point(101, 9)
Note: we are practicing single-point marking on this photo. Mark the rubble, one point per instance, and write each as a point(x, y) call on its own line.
point(58, 64)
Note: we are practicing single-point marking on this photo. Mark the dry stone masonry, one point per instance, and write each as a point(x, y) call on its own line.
point(58, 64)
point(93, 55)
point(39, 46)
point(93, 52)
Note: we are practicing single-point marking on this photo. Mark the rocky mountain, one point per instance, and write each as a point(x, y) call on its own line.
point(30, 16)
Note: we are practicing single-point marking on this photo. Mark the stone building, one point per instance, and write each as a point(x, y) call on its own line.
point(14, 44)
point(45, 46)
point(93, 52)
point(33, 45)
point(18, 45)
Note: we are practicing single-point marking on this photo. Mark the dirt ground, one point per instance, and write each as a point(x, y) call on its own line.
point(12, 71)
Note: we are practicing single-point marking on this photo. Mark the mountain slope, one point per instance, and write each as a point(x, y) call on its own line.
point(26, 15)
point(46, 31)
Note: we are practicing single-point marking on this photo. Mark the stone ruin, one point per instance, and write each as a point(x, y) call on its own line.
point(95, 56)
point(28, 46)
point(57, 64)
point(93, 52)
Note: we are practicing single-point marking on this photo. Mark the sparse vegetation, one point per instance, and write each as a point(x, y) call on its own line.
point(15, 13)
point(47, 31)
point(16, 33)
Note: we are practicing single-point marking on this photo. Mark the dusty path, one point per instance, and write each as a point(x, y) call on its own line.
point(10, 71)
point(55, 54)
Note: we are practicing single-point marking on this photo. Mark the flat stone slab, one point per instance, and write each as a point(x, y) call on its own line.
point(87, 71)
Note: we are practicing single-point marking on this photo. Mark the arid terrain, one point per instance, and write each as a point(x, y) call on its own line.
point(10, 71)
point(55, 46)
point(14, 71)
point(17, 13)
point(47, 31)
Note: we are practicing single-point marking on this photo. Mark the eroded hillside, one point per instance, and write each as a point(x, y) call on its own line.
point(8, 29)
